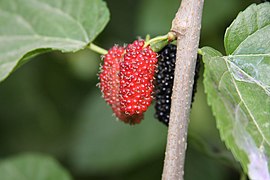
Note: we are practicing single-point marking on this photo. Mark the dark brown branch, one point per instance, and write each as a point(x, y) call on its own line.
point(186, 25)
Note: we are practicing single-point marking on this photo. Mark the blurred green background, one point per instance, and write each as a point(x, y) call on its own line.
point(52, 105)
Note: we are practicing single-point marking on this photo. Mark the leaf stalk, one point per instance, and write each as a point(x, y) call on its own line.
point(97, 49)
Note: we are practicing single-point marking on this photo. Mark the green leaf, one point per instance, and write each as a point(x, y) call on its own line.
point(251, 27)
point(29, 27)
point(238, 89)
point(32, 167)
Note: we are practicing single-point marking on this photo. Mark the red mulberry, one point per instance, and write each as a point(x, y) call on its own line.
point(126, 80)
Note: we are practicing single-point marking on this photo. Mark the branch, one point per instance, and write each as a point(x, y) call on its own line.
point(186, 25)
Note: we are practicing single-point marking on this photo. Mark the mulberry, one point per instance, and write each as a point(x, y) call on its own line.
point(126, 80)
point(164, 82)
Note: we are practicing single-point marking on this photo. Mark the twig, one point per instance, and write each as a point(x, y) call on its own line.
point(186, 25)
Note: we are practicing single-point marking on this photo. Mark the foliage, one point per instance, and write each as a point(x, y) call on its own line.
point(238, 89)
point(32, 166)
point(36, 26)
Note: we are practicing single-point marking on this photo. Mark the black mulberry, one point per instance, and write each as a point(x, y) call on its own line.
point(164, 82)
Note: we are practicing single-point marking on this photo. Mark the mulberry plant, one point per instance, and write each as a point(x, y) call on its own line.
point(236, 82)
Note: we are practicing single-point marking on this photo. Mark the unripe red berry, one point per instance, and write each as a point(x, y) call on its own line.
point(136, 78)
point(126, 80)
point(109, 79)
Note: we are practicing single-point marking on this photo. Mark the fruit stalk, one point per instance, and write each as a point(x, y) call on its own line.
point(186, 25)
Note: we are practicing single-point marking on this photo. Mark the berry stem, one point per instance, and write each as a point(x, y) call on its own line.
point(97, 49)
point(147, 37)
point(186, 25)
point(156, 40)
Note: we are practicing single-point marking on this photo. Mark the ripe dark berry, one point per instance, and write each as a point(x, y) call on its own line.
point(164, 82)
point(126, 80)
point(196, 77)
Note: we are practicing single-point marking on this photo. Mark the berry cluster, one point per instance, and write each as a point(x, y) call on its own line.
point(126, 80)
point(164, 82)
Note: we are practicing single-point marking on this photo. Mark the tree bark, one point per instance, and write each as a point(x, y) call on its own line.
point(186, 26)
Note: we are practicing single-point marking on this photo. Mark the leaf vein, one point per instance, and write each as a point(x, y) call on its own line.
point(250, 77)
point(245, 105)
